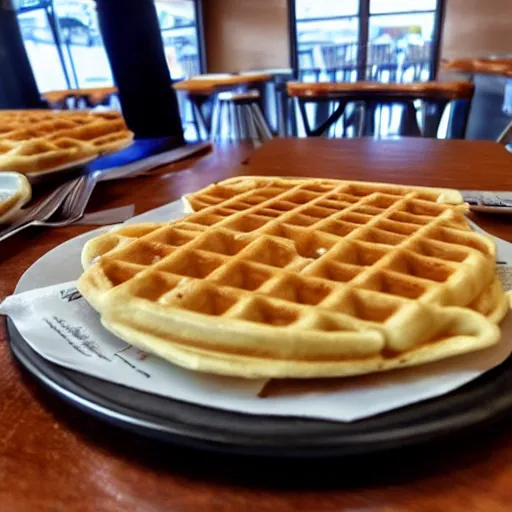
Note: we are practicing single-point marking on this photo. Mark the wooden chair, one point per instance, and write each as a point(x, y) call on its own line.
point(340, 61)
point(307, 66)
point(381, 58)
point(202, 91)
point(418, 57)
point(434, 96)
point(80, 98)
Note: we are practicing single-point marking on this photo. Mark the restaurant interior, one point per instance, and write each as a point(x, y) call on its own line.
point(255, 255)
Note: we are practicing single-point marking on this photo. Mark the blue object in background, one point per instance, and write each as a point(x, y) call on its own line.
point(140, 149)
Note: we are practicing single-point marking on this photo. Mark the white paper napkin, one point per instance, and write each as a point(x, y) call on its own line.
point(61, 326)
point(110, 216)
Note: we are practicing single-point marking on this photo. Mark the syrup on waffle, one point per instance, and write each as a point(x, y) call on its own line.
point(300, 278)
point(35, 141)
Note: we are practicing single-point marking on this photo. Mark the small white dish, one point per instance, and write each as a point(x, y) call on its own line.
point(15, 192)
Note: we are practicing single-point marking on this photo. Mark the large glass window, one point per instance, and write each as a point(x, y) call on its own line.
point(42, 50)
point(63, 43)
point(180, 36)
point(65, 49)
point(178, 24)
point(380, 40)
point(327, 39)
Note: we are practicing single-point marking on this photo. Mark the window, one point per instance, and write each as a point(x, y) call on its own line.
point(42, 50)
point(327, 39)
point(380, 40)
point(64, 44)
point(66, 51)
point(178, 20)
point(179, 27)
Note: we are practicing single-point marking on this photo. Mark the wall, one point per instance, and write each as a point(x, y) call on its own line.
point(475, 28)
point(251, 34)
point(242, 35)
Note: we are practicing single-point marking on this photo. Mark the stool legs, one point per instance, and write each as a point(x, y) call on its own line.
point(216, 119)
point(235, 128)
point(249, 119)
point(231, 122)
point(245, 121)
point(241, 122)
point(261, 123)
point(199, 121)
point(505, 134)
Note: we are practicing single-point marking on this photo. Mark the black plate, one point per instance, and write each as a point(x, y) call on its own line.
point(484, 399)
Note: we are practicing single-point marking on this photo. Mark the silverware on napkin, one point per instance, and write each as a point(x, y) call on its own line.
point(40, 215)
point(488, 201)
point(88, 182)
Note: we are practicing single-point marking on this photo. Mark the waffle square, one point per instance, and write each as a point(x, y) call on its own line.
point(300, 278)
point(33, 141)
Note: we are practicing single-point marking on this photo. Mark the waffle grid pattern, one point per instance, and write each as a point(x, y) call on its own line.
point(363, 269)
point(36, 141)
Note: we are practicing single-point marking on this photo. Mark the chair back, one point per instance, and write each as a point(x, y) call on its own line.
point(418, 57)
point(381, 58)
point(340, 60)
point(307, 66)
point(381, 54)
point(306, 60)
point(189, 65)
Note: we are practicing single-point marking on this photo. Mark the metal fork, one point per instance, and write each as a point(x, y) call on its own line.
point(80, 196)
point(40, 214)
point(69, 207)
point(76, 203)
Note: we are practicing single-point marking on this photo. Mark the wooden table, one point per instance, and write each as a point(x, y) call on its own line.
point(54, 457)
point(471, 66)
point(373, 95)
point(93, 96)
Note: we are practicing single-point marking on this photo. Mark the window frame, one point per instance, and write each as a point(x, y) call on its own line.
point(364, 25)
point(199, 26)
point(67, 62)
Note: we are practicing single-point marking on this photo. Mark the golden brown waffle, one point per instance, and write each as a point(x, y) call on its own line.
point(35, 141)
point(300, 278)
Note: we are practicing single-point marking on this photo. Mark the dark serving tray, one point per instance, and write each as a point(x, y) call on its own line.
point(475, 404)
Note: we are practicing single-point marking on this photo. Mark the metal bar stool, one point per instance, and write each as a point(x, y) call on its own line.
point(203, 89)
point(434, 96)
point(244, 117)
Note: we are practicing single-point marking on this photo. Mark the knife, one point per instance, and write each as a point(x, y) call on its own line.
point(490, 201)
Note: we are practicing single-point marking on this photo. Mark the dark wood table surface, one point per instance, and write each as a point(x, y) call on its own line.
point(54, 457)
